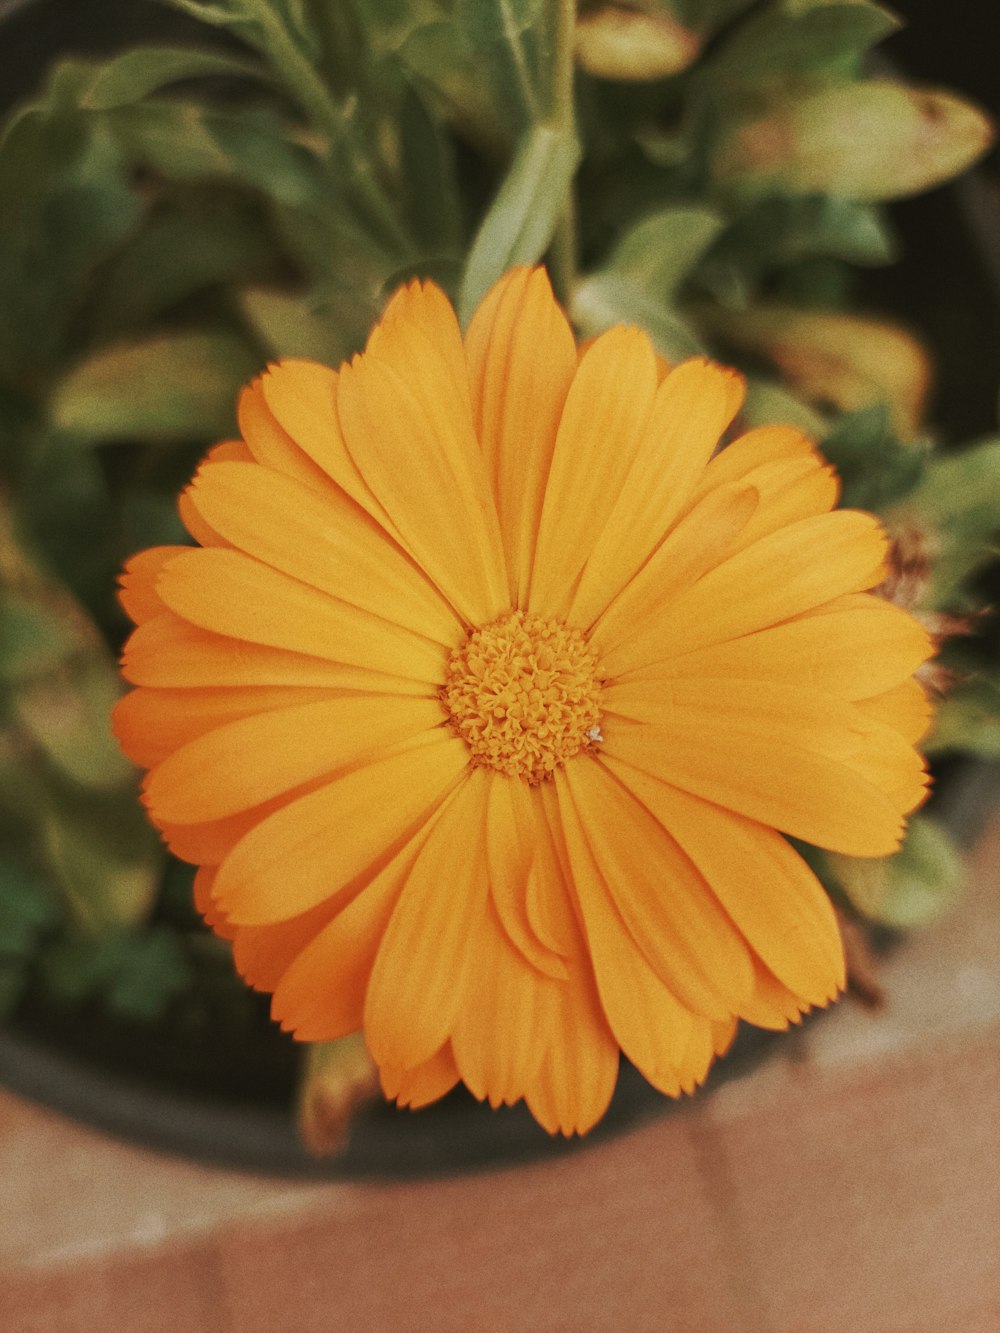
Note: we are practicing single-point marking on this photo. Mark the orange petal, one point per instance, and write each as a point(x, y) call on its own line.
point(646, 1019)
point(295, 398)
point(510, 856)
point(426, 1083)
point(785, 574)
point(766, 888)
point(816, 769)
point(851, 647)
point(229, 593)
point(325, 541)
point(428, 948)
point(692, 407)
point(504, 1021)
point(170, 653)
point(697, 544)
point(151, 724)
point(663, 903)
point(905, 708)
point(410, 433)
point(321, 995)
point(253, 759)
point(521, 362)
point(137, 591)
point(204, 880)
point(263, 954)
point(315, 845)
point(600, 432)
point(772, 1005)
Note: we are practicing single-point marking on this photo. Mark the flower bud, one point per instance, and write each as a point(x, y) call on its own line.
point(338, 1077)
point(840, 360)
point(615, 42)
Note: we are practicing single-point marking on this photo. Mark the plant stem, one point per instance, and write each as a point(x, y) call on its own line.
point(312, 94)
point(562, 253)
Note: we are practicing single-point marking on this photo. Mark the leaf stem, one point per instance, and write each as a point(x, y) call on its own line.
point(312, 94)
point(562, 253)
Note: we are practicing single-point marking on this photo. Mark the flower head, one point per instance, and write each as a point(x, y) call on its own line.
point(488, 700)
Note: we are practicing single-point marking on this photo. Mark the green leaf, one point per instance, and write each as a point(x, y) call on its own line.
point(288, 325)
point(706, 15)
point(173, 386)
point(657, 253)
point(960, 498)
point(34, 640)
point(767, 238)
point(876, 468)
point(66, 204)
point(146, 972)
point(66, 713)
point(522, 219)
point(186, 141)
point(28, 907)
point(134, 75)
point(776, 44)
point(181, 252)
point(433, 199)
point(605, 299)
point(268, 24)
point(103, 855)
point(136, 974)
point(509, 43)
point(910, 889)
point(969, 719)
point(436, 62)
point(769, 404)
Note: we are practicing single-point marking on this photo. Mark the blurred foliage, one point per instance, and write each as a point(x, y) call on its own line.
point(171, 217)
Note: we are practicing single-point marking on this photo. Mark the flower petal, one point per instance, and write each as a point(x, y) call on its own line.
point(503, 1023)
point(424, 1084)
point(327, 542)
point(411, 435)
point(321, 995)
point(851, 647)
point(288, 419)
point(905, 708)
point(812, 767)
point(510, 858)
point(602, 426)
point(661, 900)
point(692, 408)
point(151, 724)
point(137, 582)
point(253, 759)
point(785, 574)
point(770, 893)
point(417, 981)
point(263, 954)
point(171, 653)
point(522, 360)
point(647, 1020)
point(579, 1069)
point(316, 845)
point(697, 544)
point(230, 593)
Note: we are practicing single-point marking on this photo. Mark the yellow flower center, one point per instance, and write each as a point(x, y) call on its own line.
point(523, 695)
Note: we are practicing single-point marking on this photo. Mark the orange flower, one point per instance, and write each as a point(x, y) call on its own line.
point(488, 700)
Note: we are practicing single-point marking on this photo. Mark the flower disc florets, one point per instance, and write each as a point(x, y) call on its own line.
point(523, 694)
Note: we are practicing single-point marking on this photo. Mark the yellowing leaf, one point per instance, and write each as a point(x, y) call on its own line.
point(866, 141)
